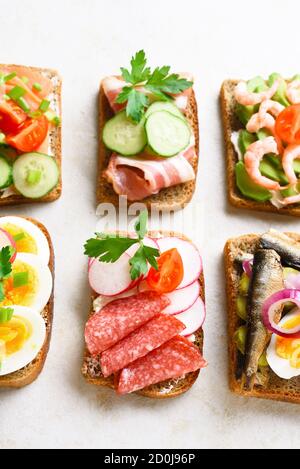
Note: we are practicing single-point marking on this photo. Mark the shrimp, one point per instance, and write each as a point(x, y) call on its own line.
point(294, 199)
point(246, 98)
point(253, 157)
point(293, 92)
point(291, 153)
point(257, 122)
point(272, 107)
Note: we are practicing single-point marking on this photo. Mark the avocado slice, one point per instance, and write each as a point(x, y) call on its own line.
point(247, 187)
point(263, 133)
point(270, 167)
point(245, 140)
point(256, 85)
point(280, 95)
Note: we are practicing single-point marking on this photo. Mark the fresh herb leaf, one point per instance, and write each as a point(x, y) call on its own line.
point(151, 255)
point(137, 102)
point(158, 82)
point(138, 264)
point(108, 248)
point(139, 72)
point(5, 264)
point(141, 224)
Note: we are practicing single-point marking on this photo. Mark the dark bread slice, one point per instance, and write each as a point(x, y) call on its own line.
point(168, 389)
point(231, 124)
point(172, 198)
point(30, 373)
point(277, 388)
point(54, 141)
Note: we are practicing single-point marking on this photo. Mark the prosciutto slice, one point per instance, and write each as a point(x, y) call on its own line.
point(113, 86)
point(141, 177)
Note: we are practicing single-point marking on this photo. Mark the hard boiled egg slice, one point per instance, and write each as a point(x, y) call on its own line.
point(21, 339)
point(283, 355)
point(30, 283)
point(27, 236)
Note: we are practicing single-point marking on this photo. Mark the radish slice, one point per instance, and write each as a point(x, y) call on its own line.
point(7, 240)
point(110, 279)
point(102, 301)
point(193, 318)
point(191, 258)
point(181, 300)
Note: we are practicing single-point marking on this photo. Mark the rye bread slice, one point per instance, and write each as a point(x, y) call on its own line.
point(171, 198)
point(277, 388)
point(30, 373)
point(54, 141)
point(232, 124)
point(91, 369)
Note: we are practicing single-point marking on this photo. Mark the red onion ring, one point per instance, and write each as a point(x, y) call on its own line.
point(268, 312)
point(247, 267)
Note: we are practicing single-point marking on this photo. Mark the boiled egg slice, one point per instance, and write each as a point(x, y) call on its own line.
point(21, 339)
point(27, 236)
point(30, 283)
point(283, 355)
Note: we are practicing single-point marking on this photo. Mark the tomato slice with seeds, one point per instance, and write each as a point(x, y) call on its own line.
point(288, 125)
point(11, 117)
point(31, 135)
point(169, 274)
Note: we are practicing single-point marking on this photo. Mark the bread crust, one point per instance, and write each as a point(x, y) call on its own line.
point(30, 373)
point(277, 389)
point(168, 389)
point(172, 198)
point(231, 124)
point(55, 143)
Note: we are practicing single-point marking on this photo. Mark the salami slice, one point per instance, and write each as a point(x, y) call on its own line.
point(140, 342)
point(121, 317)
point(172, 360)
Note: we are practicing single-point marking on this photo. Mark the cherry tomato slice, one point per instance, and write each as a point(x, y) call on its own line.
point(169, 274)
point(31, 135)
point(288, 124)
point(11, 117)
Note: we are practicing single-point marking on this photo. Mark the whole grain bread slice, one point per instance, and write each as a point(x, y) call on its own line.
point(277, 388)
point(172, 198)
point(30, 373)
point(54, 140)
point(91, 369)
point(232, 124)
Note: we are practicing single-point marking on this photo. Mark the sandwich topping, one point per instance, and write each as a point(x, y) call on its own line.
point(28, 114)
point(268, 306)
point(25, 289)
point(147, 308)
point(268, 140)
point(151, 140)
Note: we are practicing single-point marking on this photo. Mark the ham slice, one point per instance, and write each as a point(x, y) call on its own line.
point(141, 177)
point(113, 86)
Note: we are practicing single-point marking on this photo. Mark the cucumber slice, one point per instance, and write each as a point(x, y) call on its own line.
point(35, 174)
point(164, 106)
point(167, 134)
point(124, 137)
point(5, 173)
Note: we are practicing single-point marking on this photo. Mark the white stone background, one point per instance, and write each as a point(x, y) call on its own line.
point(86, 40)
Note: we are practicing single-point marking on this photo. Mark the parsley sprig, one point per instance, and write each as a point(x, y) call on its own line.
point(110, 247)
point(5, 268)
point(160, 83)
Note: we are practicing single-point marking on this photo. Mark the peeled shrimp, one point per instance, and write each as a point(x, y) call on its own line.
point(246, 98)
point(272, 107)
point(293, 92)
point(253, 157)
point(294, 199)
point(257, 122)
point(291, 153)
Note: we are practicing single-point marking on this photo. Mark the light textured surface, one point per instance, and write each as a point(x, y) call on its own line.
point(86, 40)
